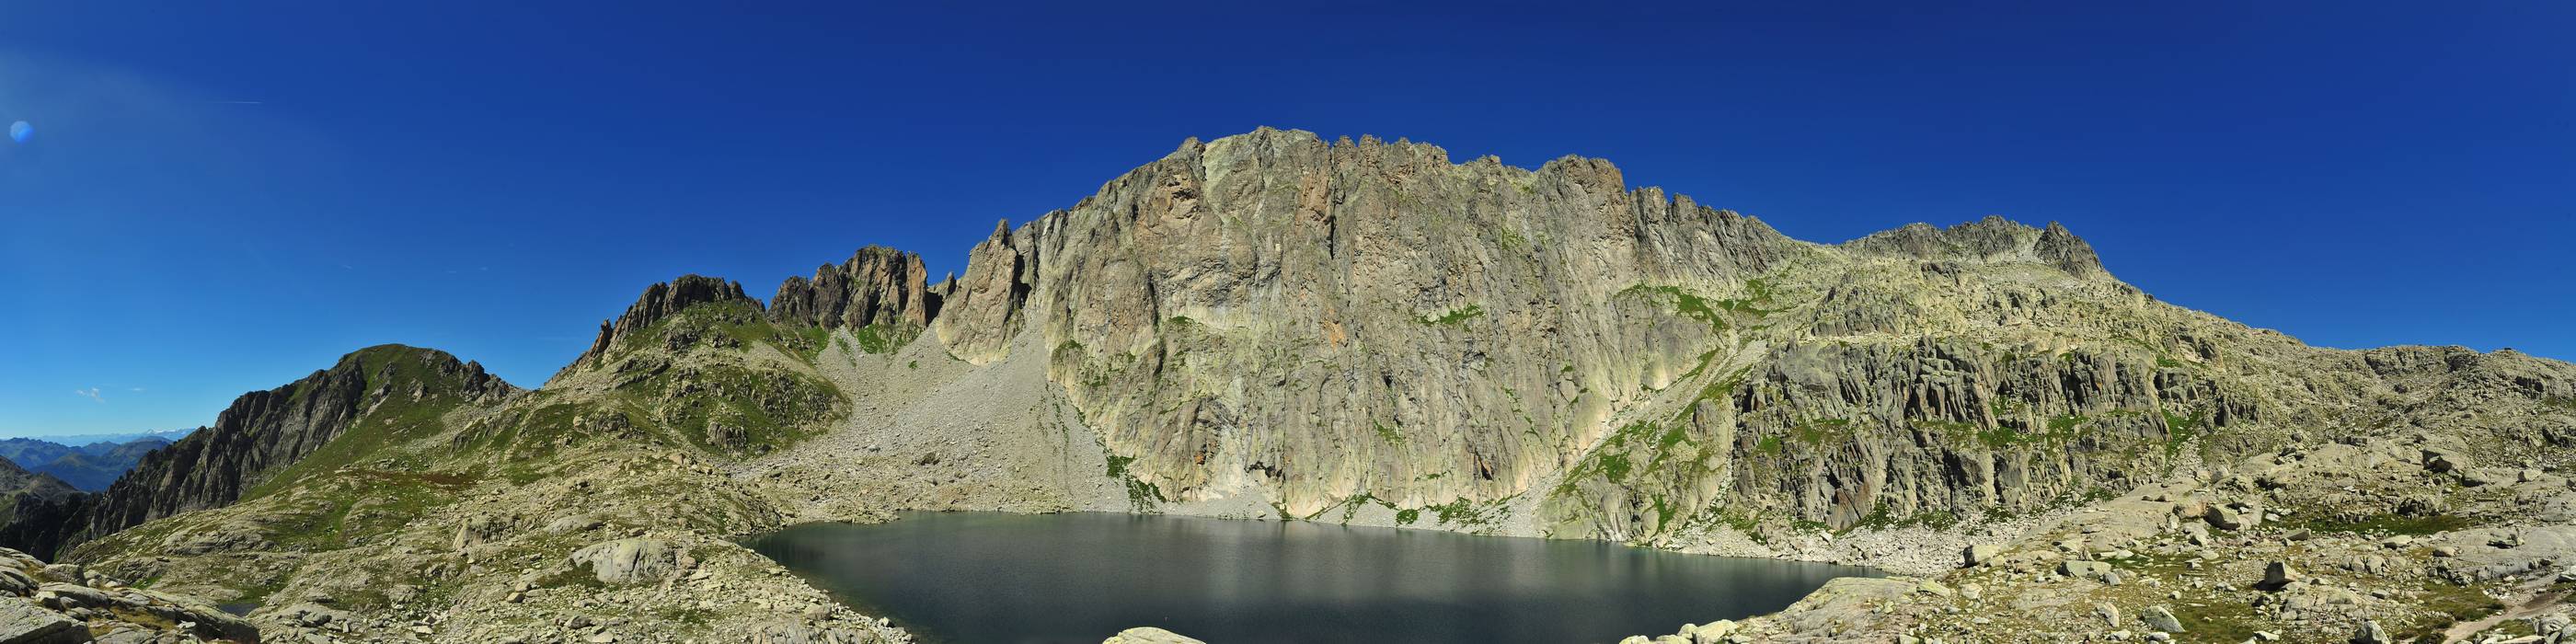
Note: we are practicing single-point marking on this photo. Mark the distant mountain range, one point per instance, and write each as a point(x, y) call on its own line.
point(88, 462)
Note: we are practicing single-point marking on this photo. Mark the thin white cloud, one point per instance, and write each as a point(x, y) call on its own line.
point(138, 390)
point(92, 393)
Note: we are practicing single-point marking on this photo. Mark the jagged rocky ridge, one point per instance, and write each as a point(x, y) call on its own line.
point(262, 433)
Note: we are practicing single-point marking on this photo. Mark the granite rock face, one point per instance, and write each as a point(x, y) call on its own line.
point(878, 286)
point(1434, 331)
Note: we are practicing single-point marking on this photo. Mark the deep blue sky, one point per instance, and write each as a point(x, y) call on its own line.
point(221, 197)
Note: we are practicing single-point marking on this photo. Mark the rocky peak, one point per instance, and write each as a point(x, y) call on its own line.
point(661, 301)
point(264, 432)
point(15, 481)
point(980, 312)
point(877, 286)
point(1993, 239)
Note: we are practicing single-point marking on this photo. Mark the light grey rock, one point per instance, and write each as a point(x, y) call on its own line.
point(2084, 569)
point(1149, 635)
point(2278, 574)
point(1979, 554)
point(23, 622)
point(631, 561)
point(2161, 619)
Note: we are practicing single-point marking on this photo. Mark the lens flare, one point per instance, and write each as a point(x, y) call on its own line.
point(19, 131)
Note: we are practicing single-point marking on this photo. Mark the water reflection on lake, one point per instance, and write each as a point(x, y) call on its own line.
point(979, 578)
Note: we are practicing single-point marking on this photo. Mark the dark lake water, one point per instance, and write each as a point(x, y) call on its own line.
point(994, 578)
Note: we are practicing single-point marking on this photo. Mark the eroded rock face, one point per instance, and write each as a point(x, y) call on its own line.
point(981, 314)
point(1435, 331)
point(878, 286)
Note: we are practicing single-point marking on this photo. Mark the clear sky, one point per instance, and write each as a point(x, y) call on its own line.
point(217, 197)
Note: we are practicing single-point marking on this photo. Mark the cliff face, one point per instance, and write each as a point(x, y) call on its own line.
point(265, 432)
point(1317, 325)
point(878, 286)
point(1432, 331)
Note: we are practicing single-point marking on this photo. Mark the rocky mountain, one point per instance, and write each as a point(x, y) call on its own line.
point(269, 439)
point(1271, 326)
point(31, 452)
point(21, 488)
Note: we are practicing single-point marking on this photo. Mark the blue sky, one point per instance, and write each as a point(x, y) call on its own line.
point(219, 197)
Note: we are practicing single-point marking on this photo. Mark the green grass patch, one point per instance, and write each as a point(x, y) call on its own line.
point(1684, 302)
point(2218, 621)
point(1614, 467)
point(1454, 318)
point(1389, 434)
point(2449, 605)
point(883, 338)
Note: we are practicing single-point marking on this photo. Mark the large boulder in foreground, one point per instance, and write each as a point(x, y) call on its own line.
point(61, 604)
point(632, 561)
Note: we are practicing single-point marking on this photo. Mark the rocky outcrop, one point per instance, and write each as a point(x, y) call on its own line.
point(660, 301)
point(18, 483)
point(631, 561)
point(878, 286)
point(59, 604)
point(1993, 239)
point(30, 503)
point(980, 315)
point(264, 432)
